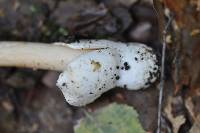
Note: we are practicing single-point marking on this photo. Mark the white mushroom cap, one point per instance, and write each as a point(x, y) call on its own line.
point(138, 66)
point(132, 66)
point(90, 75)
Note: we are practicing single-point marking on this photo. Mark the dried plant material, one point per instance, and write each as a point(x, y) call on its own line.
point(196, 3)
point(169, 39)
point(195, 32)
point(176, 120)
point(193, 106)
point(190, 107)
point(196, 126)
point(177, 7)
point(7, 105)
point(96, 65)
point(195, 69)
point(186, 41)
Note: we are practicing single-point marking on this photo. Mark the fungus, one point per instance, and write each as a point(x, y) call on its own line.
point(90, 67)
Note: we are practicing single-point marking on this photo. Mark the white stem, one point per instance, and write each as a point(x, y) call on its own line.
point(36, 55)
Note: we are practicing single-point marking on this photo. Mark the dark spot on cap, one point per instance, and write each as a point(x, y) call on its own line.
point(136, 58)
point(122, 68)
point(151, 75)
point(99, 88)
point(117, 78)
point(63, 84)
point(147, 83)
point(91, 93)
point(72, 81)
point(126, 65)
point(117, 67)
point(156, 74)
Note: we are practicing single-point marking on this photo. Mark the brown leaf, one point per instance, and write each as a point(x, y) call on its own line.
point(195, 69)
point(186, 15)
point(196, 127)
point(172, 113)
point(177, 7)
point(193, 105)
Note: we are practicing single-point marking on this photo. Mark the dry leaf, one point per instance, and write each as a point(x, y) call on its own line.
point(196, 127)
point(176, 120)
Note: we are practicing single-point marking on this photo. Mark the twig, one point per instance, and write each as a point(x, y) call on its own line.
point(162, 77)
point(163, 30)
point(160, 16)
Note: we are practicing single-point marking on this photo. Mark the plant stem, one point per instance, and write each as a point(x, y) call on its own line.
point(36, 55)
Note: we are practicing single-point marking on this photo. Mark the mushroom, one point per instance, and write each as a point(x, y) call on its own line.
point(90, 67)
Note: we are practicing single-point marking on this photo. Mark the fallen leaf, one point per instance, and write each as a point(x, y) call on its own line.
point(114, 118)
point(175, 118)
point(196, 127)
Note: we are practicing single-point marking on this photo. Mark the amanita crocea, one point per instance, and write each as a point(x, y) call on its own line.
point(90, 67)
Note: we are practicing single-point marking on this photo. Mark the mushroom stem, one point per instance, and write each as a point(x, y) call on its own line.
point(36, 55)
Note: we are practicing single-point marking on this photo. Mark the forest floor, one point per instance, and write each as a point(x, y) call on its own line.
point(30, 101)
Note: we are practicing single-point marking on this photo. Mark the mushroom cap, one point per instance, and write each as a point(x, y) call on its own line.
point(138, 66)
point(132, 66)
point(90, 75)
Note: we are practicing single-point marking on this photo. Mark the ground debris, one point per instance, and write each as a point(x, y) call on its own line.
point(196, 127)
point(174, 112)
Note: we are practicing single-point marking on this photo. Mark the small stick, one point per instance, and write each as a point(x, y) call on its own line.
point(163, 30)
point(162, 77)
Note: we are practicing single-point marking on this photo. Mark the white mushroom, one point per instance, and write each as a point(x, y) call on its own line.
point(132, 66)
point(91, 67)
